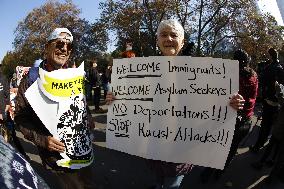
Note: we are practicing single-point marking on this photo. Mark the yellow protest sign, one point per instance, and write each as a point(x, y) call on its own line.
point(64, 88)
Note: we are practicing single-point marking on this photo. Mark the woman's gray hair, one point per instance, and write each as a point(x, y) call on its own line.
point(173, 24)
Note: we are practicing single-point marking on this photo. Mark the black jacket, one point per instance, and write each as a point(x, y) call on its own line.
point(273, 72)
point(94, 77)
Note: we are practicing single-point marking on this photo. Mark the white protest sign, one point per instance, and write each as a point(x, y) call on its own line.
point(58, 99)
point(20, 72)
point(173, 109)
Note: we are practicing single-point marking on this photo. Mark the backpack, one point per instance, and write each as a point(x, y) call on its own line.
point(33, 74)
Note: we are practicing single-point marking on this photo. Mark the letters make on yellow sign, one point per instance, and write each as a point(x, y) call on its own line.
point(64, 88)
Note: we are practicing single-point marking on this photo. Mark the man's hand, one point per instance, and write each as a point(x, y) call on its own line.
point(109, 98)
point(53, 144)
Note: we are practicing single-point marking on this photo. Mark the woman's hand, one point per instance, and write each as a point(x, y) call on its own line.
point(237, 102)
point(109, 98)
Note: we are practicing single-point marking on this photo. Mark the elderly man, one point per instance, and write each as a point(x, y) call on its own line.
point(57, 52)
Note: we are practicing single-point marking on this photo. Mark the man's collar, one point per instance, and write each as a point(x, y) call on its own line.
point(48, 67)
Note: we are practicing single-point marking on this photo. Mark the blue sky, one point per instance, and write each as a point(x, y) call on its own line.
point(14, 11)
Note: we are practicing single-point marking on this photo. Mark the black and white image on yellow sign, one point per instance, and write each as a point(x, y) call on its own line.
point(73, 131)
point(58, 98)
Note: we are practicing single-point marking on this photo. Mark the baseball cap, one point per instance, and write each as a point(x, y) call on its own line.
point(55, 34)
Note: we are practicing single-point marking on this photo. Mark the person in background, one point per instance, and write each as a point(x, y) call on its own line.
point(13, 82)
point(106, 80)
point(277, 133)
point(95, 81)
point(272, 73)
point(170, 40)
point(248, 87)
point(57, 52)
point(277, 138)
point(188, 50)
point(4, 101)
point(128, 53)
point(88, 85)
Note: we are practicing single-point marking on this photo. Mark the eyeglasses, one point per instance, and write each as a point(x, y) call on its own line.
point(61, 44)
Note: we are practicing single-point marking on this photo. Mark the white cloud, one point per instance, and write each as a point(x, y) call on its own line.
point(271, 7)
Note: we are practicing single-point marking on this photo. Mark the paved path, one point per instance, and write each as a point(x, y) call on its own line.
point(116, 170)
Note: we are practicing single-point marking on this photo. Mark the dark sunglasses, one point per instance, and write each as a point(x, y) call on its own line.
point(61, 44)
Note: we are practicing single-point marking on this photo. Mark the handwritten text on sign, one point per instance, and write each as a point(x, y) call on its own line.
point(173, 109)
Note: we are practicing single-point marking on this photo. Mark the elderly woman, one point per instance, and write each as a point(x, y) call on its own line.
point(170, 41)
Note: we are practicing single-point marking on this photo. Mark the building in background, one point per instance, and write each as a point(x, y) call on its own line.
point(280, 4)
point(274, 7)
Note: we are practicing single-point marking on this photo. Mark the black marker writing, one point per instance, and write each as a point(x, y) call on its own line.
point(193, 71)
point(139, 76)
point(221, 110)
point(66, 85)
point(193, 89)
point(188, 134)
point(230, 86)
point(219, 113)
point(138, 67)
point(139, 99)
point(174, 111)
point(119, 126)
point(148, 67)
point(225, 116)
point(159, 133)
point(119, 108)
point(131, 90)
point(169, 90)
point(224, 69)
point(213, 112)
point(120, 115)
point(121, 135)
point(122, 69)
